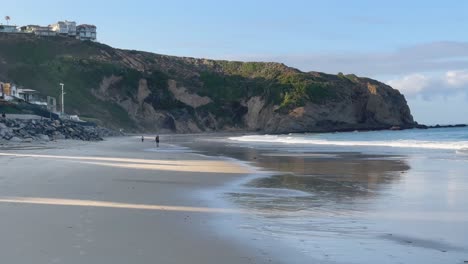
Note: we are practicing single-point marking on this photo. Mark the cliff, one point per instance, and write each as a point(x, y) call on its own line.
point(142, 91)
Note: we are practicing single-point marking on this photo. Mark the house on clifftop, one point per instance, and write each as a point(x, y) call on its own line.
point(61, 28)
point(8, 28)
point(86, 32)
point(38, 30)
point(67, 28)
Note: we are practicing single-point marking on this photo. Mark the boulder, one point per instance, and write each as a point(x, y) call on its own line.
point(59, 136)
point(43, 137)
point(15, 139)
point(46, 130)
point(395, 128)
point(28, 140)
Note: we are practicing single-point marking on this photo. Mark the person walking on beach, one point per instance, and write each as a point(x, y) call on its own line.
point(142, 138)
point(157, 141)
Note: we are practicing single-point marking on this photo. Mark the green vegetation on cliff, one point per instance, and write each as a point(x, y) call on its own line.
point(121, 87)
point(80, 77)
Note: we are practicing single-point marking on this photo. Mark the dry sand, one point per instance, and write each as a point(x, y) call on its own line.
point(111, 202)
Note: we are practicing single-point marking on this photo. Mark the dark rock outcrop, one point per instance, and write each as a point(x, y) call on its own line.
point(16, 130)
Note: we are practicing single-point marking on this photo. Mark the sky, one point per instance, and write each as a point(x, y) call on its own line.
point(418, 47)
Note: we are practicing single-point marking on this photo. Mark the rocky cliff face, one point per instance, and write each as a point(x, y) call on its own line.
point(151, 92)
point(360, 108)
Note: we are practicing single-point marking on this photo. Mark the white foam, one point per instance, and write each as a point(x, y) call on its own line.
point(276, 192)
point(449, 145)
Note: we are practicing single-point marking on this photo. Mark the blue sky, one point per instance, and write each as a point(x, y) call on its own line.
point(419, 47)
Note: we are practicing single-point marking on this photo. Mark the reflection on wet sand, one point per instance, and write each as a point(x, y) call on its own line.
point(338, 205)
point(334, 186)
point(338, 179)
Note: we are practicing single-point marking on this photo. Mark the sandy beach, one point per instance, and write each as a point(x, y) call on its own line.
point(112, 202)
point(206, 199)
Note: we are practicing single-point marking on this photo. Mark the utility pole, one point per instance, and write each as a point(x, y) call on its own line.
point(63, 102)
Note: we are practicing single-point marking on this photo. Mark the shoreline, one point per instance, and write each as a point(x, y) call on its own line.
point(340, 180)
point(236, 227)
point(231, 226)
point(87, 211)
point(227, 201)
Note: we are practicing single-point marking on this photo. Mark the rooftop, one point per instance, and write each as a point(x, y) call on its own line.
point(27, 91)
point(86, 25)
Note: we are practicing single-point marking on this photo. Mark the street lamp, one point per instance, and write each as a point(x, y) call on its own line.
point(63, 102)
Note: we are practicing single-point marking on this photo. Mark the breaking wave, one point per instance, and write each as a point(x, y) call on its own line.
point(461, 146)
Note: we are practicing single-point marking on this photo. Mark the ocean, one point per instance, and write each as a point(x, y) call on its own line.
point(354, 197)
point(442, 138)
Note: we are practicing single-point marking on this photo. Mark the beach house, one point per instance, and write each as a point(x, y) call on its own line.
point(28, 95)
point(67, 28)
point(8, 91)
point(8, 28)
point(4, 89)
point(61, 28)
point(38, 30)
point(86, 32)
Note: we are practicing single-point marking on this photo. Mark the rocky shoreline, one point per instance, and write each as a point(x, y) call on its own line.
point(18, 130)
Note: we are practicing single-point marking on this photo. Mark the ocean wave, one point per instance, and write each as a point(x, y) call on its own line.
point(462, 151)
point(448, 145)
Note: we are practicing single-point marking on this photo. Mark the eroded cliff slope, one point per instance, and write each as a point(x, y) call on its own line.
point(142, 91)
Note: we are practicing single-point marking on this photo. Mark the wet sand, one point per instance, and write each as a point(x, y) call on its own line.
point(123, 201)
point(351, 204)
point(112, 202)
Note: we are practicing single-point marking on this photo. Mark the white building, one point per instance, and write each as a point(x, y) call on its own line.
point(45, 32)
point(8, 90)
point(8, 28)
point(29, 28)
point(86, 32)
point(64, 28)
point(28, 95)
point(38, 30)
point(71, 28)
point(14, 91)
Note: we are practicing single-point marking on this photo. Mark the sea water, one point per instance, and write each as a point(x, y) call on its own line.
point(357, 197)
point(442, 138)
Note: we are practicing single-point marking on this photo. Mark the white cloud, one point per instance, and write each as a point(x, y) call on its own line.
point(458, 79)
point(448, 83)
point(411, 84)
